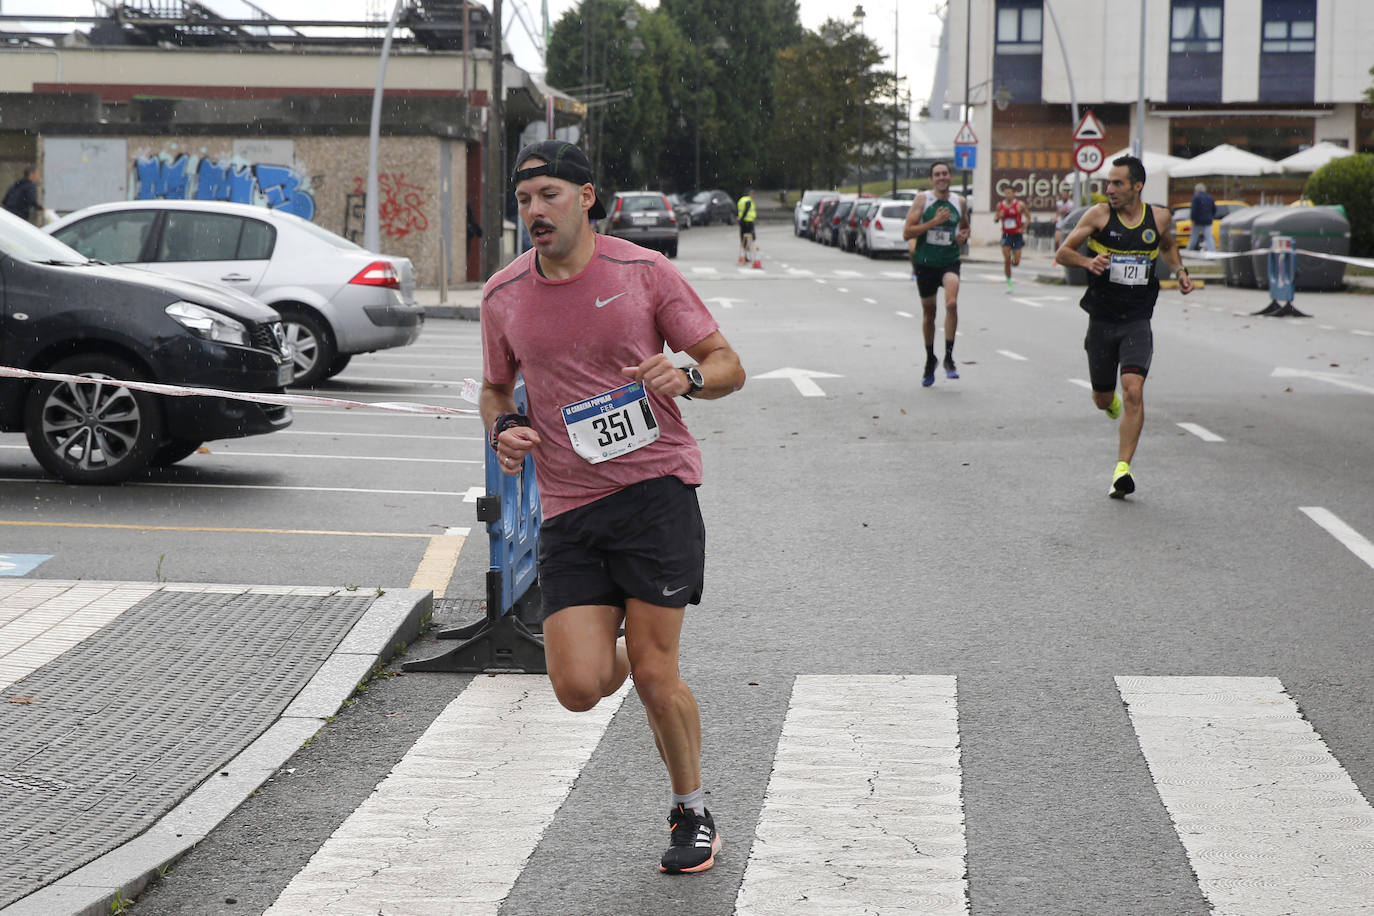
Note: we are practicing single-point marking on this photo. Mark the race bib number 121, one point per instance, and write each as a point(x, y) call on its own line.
point(612, 424)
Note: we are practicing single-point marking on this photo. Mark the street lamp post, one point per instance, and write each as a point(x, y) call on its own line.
point(859, 17)
point(896, 82)
point(372, 235)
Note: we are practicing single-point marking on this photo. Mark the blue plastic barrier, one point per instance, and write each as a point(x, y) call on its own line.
point(505, 639)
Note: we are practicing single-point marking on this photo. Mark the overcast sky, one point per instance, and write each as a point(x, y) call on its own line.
point(919, 27)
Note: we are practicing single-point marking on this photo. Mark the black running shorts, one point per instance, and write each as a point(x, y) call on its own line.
point(646, 541)
point(1127, 345)
point(930, 280)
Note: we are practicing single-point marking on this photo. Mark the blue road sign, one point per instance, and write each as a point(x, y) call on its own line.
point(965, 157)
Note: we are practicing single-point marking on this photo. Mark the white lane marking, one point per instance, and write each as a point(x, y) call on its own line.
point(1330, 378)
point(802, 379)
point(896, 275)
point(1202, 432)
point(474, 493)
point(342, 435)
point(842, 289)
point(801, 272)
point(1327, 327)
point(863, 811)
point(1031, 302)
point(705, 270)
point(222, 451)
point(1081, 383)
point(902, 314)
point(870, 301)
point(1361, 332)
point(991, 278)
point(354, 379)
point(723, 301)
point(1269, 819)
point(1010, 355)
point(821, 280)
point(1355, 542)
point(383, 364)
point(849, 274)
point(503, 754)
point(45, 481)
point(386, 397)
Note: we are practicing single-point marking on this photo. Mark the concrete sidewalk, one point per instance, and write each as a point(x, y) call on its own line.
point(136, 717)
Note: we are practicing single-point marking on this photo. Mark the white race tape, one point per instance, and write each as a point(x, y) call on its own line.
point(469, 393)
point(1223, 255)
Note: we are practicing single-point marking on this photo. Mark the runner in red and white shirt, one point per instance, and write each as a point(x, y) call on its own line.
point(1012, 216)
point(584, 319)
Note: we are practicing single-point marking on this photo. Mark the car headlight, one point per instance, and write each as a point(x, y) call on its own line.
point(208, 323)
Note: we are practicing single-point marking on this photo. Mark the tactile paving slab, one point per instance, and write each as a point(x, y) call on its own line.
point(102, 741)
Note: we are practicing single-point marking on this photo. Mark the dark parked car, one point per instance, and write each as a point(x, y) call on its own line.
point(838, 216)
point(852, 232)
point(643, 217)
point(709, 207)
point(65, 314)
point(820, 216)
point(684, 215)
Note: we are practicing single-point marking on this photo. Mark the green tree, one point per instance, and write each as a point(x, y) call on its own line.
point(1348, 181)
point(832, 92)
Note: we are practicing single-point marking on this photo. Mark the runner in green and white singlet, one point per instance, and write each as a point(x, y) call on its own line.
point(938, 221)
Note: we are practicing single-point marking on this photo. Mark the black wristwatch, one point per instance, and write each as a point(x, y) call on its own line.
point(694, 379)
point(504, 422)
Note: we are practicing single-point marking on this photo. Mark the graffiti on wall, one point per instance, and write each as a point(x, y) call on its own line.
point(401, 205)
point(187, 177)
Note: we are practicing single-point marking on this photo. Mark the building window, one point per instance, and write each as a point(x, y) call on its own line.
point(1196, 27)
point(1019, 26)
point(1288, 50)
point(1195, 51)
point(1016, 64)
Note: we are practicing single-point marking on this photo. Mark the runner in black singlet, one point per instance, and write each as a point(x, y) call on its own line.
point(1126, 237)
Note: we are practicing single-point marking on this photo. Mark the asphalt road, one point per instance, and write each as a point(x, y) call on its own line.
point(863, 526)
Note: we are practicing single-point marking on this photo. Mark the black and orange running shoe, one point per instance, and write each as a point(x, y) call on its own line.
point(695, 842)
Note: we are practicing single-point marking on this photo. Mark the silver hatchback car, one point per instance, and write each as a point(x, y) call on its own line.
point(335, 298)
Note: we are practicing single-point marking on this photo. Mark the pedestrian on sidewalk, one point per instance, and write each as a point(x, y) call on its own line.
point(938, 223)
point(22, 197)
point(1127, 238)
point(584, 318)
point(1203, 212)
point(1012, 216)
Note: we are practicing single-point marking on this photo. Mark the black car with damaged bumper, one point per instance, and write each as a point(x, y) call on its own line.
point(62, 313)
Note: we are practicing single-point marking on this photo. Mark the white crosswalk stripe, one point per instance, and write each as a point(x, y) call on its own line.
point(863, 810)
point(864, 806)
point(452, 825)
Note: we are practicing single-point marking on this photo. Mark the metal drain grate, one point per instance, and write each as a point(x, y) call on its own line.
point(125, 725)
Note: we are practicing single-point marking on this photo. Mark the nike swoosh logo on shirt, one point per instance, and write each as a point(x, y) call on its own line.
point(668, 594)
point(602, 303)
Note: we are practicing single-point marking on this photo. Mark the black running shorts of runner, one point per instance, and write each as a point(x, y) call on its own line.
point(1127, 345)
point(646, 541)
point(929, 280)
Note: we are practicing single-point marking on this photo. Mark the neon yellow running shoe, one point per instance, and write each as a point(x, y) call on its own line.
point(1122, 482)
point(1113, 409)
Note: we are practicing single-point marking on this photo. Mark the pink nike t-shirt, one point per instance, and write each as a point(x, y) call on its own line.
point(570, 339)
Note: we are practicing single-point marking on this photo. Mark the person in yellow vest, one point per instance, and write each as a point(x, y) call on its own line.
point(748, 250)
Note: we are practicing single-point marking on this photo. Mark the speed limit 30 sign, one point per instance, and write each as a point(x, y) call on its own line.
point(1087, 157)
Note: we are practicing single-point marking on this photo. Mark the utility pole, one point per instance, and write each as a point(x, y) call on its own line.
point(896, 95)
point(1138, 144)
point(968, 45)
point(372, 235)
point(494, 187)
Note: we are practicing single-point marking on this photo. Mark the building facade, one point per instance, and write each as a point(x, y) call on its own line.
point(1269, 76)
point(281, 127)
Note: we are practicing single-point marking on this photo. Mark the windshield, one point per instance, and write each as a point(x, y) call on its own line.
point(27, 242)
point(701, 197)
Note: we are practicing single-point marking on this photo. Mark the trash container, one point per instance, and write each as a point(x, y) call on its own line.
point(1323, 229)
point(1076, 276)
point(1235, 232)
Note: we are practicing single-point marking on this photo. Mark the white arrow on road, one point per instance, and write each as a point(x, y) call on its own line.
point(723, 302)
point(1330, 378)
point(802, 379)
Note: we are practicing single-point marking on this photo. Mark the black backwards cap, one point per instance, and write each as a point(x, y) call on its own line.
point(561, 160)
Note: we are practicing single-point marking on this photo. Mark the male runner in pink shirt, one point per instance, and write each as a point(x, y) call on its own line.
point(584, 318)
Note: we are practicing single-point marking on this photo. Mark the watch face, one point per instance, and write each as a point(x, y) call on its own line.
point(694, 376)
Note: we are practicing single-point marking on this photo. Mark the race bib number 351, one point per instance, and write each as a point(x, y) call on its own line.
point(612, 424)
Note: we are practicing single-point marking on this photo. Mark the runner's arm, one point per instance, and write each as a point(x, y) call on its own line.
point(1168, 250)
point(718, 362)
point(514, 443)
point(1068, 253)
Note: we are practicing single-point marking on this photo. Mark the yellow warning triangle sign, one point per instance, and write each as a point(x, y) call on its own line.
point(965, 136)
point(1089, 128)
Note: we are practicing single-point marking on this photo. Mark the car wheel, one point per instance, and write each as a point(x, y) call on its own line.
point(312, 347)
point(338, 364)
point(172, 452)
point(92, 432)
